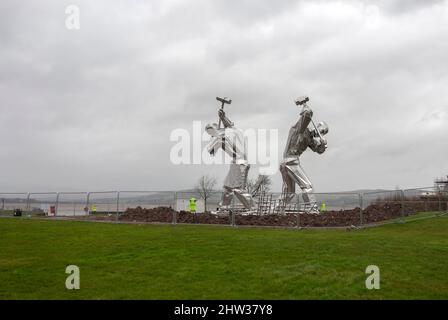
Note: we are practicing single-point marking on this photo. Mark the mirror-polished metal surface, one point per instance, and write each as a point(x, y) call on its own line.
point(231, 140)
point(302, 135)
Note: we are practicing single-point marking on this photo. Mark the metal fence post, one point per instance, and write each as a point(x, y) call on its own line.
point(174, 208)
point(402, 203)
point(118, 205)
point(28, 203)
point(234, 218)
point(230, 218)
point(88, 203)
point(361, 204)
point(56, 208)
point(232, 212)
point(298, 212)
point(440, 201)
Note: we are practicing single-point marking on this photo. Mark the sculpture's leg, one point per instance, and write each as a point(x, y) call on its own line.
point(289, 183)
point(241, 192)
point(289, 186)
point(244, 169)
point(236, 184)
point(244, 197)
point(299, 176)
point(226, 201)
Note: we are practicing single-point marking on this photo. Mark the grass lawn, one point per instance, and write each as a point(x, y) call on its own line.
point(124, 261)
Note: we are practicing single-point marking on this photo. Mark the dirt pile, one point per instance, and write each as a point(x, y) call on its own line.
point(373, 213)
point(386, 211)
point(288, 220)
point(327, 219)
point(331, 219)
point(205, 218)
point(159, 214)
point(166, 214)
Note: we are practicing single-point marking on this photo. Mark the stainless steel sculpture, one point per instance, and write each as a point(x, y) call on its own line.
point(302, 135)
point(232, 141)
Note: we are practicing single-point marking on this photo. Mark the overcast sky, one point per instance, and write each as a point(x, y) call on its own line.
point(93, 109)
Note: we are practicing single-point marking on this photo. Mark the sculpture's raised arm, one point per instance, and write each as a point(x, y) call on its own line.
point(225, 121)
point(305, 118)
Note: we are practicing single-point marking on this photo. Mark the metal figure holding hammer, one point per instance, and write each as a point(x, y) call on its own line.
point(231, 140)
point(302, 135)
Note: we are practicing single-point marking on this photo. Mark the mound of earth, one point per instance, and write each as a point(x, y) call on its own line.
point(139, 214)
point(166, 214)
point(373, 213)
point(386, 211)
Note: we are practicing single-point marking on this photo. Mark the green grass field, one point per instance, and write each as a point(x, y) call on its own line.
point(125, 261)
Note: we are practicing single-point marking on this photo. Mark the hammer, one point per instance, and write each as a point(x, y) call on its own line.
point(301, 101)
point(223, 102)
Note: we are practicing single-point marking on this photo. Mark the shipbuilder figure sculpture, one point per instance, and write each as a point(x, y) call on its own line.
point(232, 141)
point(302, 135)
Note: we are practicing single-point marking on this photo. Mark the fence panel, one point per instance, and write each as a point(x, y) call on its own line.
point(42, 203)
point(103, 204)
point(11, 201)
point(269, 209)
point(429, 199)
point(71, 204)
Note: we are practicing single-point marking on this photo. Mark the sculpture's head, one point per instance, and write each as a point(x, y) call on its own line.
point(212, 129)
point(322, 127)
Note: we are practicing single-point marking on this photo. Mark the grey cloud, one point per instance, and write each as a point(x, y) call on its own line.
point(405, 6)
point(94, 108)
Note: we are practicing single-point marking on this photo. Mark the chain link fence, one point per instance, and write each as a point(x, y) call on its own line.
point(338, 209)
point(425, 199)
point(10, 201)
point(71, 204)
